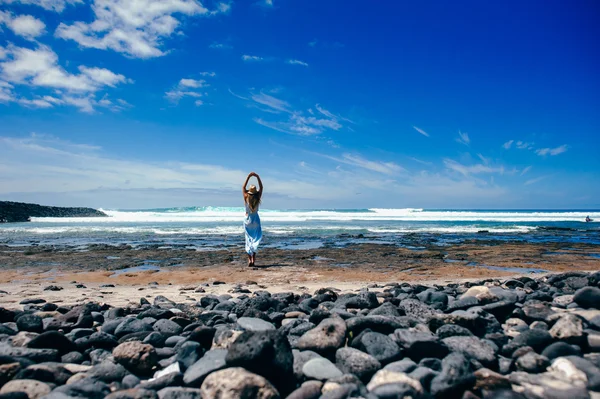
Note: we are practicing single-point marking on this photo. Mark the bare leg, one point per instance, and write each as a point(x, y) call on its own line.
point(250, 261)
point(253, 258)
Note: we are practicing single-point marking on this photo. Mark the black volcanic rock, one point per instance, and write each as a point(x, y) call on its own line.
point(12, 212)
point(534, 340)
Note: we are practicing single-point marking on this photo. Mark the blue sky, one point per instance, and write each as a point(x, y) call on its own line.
point(434, 104)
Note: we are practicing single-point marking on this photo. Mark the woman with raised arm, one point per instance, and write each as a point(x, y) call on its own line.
point(252, 227)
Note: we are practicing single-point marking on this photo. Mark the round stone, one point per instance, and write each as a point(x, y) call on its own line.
point(236, 382)
point(320, 369)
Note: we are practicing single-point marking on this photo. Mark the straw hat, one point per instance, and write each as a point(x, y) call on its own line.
point(252, 190)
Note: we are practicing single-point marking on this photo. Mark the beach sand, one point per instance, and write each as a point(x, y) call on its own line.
point(25, 272)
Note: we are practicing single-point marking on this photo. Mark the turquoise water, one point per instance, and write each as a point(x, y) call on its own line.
point(208, 228)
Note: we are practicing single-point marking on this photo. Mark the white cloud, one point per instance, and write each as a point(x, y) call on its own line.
point(271, 102)
point(6, 93)
point(251, 58)
point(552, 151)
point(536, 180)
point(135, 28)
point(50, 170)
point(222, 8)
point(295, 121)
point(420, 161)
point(209, 74)
point(331, 115)
point(299, 124)
point(50, 5)
point(463, 138)
point(23, 25)
point(115, 106)
point(485, 160)
point(524, 145)
point(297, 62)
point(237, 95)
point(188, 88)
point(39, 69)
point(220, 46)
point(104, 77)
point(423, 132)
point(40, 164)
point(508, 144)
point(467, 170)
point(388, 168)
point(192, 83)
point(525, 170)
point(41, 102)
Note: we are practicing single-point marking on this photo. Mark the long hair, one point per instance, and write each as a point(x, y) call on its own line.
point(253, 199)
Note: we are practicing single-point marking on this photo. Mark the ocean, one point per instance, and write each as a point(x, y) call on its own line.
point(209, 228)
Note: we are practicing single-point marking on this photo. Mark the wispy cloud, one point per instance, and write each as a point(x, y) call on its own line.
point(50, 5)
point(536, 180)
point(41, 169)
point(463, 138)
point(467, 170)
point(485, 160)
point(508, 144)
point(417, 160)
point(251, 58)
point(525, 170)
point(423, 132)
point(301, 125)
point(388, 168)
point(188, 88)
point(524, 145)
point(237, 95)
point(552, 151)
point(220, 46)
point(41, 164)
point(271, 102)
point(325, 44)
point(297, 62)
point(330, 115)
point(309, 123)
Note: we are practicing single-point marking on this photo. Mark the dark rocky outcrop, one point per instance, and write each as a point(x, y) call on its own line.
point(12, 212)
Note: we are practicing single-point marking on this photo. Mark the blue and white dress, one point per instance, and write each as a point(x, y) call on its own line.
point(253, 230)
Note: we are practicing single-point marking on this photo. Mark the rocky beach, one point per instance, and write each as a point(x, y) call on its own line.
point(373, 316)
point(521, 337)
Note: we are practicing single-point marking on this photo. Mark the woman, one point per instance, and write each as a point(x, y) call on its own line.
point(252, 223)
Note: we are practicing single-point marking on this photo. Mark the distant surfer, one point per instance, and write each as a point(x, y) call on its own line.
point(252, 226)
point(587, 219)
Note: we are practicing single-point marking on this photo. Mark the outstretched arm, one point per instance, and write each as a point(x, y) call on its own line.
point(246, 184)
point(260, 185)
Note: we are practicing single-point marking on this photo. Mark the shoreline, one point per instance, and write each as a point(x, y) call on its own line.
point(360, 263)
point(129, 293)
point(151, 271)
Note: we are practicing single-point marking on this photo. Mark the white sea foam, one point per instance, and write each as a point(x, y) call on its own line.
point(228, 221)
point(234, 215)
